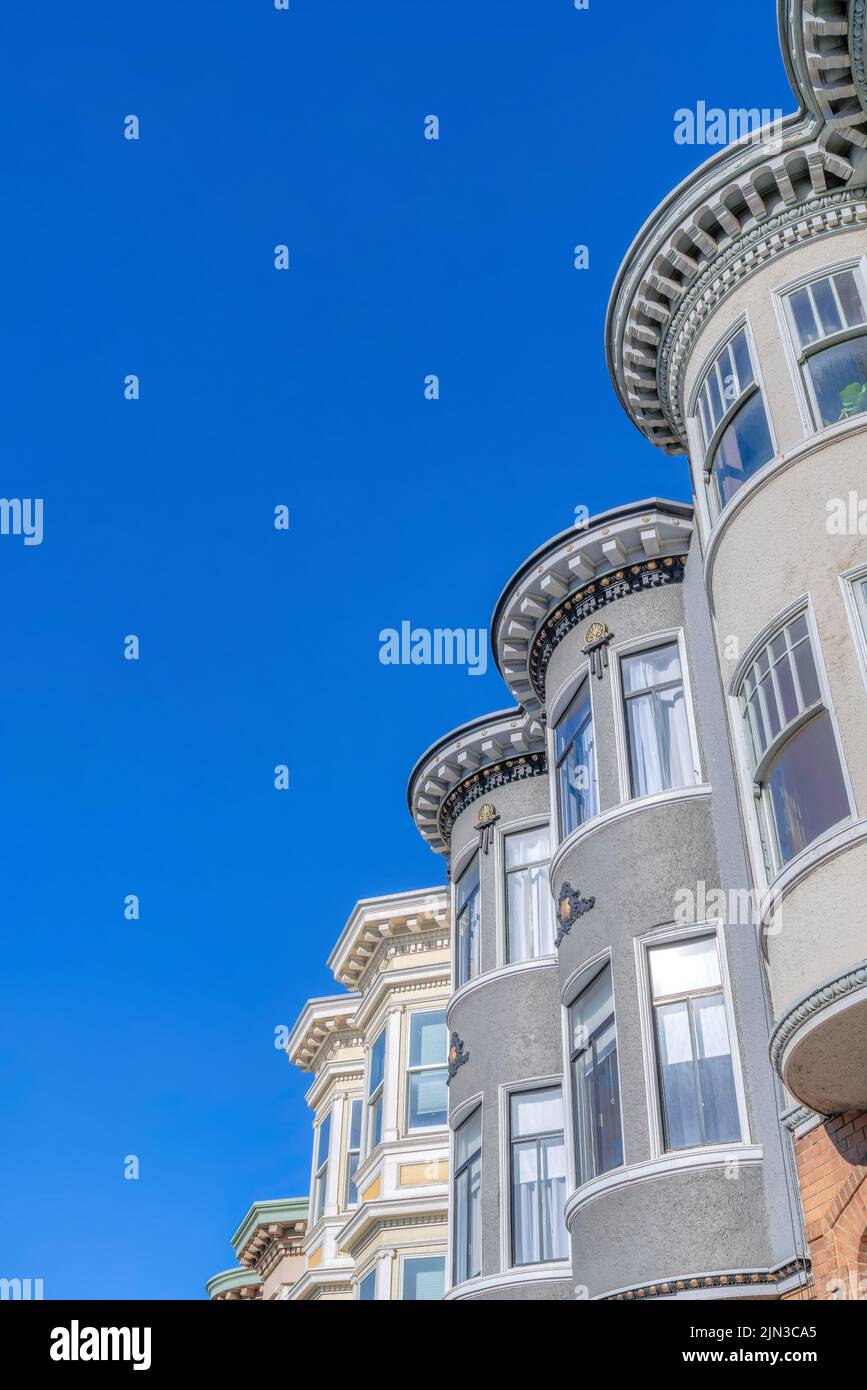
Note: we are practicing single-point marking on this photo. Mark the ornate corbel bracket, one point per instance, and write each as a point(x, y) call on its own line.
point(570, 906)
point(458, 1055)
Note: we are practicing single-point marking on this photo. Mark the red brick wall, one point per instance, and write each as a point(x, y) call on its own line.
point(832, 1172)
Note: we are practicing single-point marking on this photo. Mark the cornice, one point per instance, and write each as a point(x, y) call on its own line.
point(472, 756)
point(319, 1020)
point(733, 194)
point(264, 1220)
point(734, 1282)
point(231, 1284)
point(803, 1013)
point(374, 920)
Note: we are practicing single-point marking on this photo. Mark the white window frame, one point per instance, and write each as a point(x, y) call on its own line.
point(321, 1166)
point(409, 1070)
point(763, 846)
point(405, 1255)
point(632, 647)
point(705, 487)
point(463, 1113)
point(796, 358)
point(371, 1268)
point(501, 832)
point(856, 609)
point(369, 1098)
point(458, 869)
point(671, 935)
point(507, 1244)
point(349, 1150)
point(557, 709)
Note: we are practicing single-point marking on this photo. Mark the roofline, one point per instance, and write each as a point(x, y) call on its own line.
point(683, 509)
point(462, 729)
point(266, 1210)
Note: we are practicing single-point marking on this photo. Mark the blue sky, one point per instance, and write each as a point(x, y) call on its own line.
point(259, 647)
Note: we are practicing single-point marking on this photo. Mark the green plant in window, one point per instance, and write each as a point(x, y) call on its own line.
point(853, 399)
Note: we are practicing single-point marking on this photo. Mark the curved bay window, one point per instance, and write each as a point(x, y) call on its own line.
point(828, 322)
point(732, 420)
point(576, 763)
point(796, 765)
point(468, 923)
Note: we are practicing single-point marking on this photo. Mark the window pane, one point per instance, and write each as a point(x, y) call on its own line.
point(684, 966)
point(536, 1112)
point(677, 1076)
point(839, 376)
point(355, 1125)
point(428, 1098)
point(377, 1063)
point(424, 1278)
point(324, 1136)
point(609, 1135)
point(805, 787)
point(741, 354)
point(538, 1197)
point(376, 1122)
point(577, 778)
point(807, 674)
point(468, 881)
point(829, 314)
point(715, 397)
point(352, 1190)
point(367, 1288)
point(805, 321)
point(657, 666)
point(850, 298)
point(428, 1042)
point(468, 1137)
point(469, 935)
point(529, 847)
point(468, 1248)
point(745, 446)
point(660, 755)
point(530, 910)
point(729, 383)
point(593, 1007)
point(716, 1076)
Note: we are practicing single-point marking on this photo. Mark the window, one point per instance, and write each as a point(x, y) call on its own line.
point(576, 763)
point(538, 1176)
point(796, 766)
point(828, 322)
point(529, 905)
point(353, 1151)
point(375, 1087)
point(595, 1079)
point(732, 420)
point(424, 1277)
point(657, 725)
point(468, 922)
point(467, 1198)
point(320, 1179)
point(693, 1052)
point(367, 1287)
point(427, 1073)
point(860, 590)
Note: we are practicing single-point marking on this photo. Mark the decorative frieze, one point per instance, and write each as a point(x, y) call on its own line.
point(487, 780)
point(736, 1279)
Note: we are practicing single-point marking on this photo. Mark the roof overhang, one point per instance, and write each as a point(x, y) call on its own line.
point(264, 1220)
point(374, 920)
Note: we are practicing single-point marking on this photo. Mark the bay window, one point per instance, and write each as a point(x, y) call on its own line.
point(595, 1079)
point(366, 1290)
point(375, 1089)
point(320, 1179)
point(732, 420)
point(468, 922)
point(576, 762)
point(657, 723)
point(529, 905)
point(467, 1198)
point(538, 1166)
point(797, 771)
point(693, 1051)
point(427, 1071)
point(828, 322)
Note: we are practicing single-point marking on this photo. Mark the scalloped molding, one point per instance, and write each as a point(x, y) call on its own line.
point(814, 1003)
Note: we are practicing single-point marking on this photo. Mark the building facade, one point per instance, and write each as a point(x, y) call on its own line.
point(737, 336)
point(268, 1246)
point(377, 1057)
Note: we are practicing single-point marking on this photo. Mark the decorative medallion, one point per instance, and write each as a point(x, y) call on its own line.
point(596, 647)
point(570, 906)
point(485, 823)
point(457, 1056)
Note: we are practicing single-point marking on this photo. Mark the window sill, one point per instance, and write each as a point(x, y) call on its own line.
point(621, 812)
point(680, 1160)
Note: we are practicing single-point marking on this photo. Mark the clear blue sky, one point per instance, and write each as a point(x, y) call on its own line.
point(408, 257)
